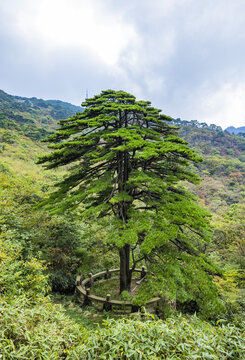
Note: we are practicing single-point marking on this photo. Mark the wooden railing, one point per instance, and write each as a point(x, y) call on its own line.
point(83, 289)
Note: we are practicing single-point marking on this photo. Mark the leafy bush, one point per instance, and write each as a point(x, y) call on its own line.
point(41, 331)
point(57, 243)
point(44, 332)
point(177, 338)
point(18, 276)
point(51, 240)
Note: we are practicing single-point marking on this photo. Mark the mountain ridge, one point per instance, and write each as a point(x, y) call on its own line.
point(236, 131)
point(33, 117)
point(37, 118)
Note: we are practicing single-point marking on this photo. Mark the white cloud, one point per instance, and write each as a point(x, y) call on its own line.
point(186, 56)
point(65, 24)
point(226, 106)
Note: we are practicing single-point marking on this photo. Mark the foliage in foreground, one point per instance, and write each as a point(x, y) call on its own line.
point(31, 327)
point(44, 332)
point(40, 331)
point(177, 338)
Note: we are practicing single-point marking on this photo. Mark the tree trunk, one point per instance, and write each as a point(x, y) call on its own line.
point(125, 274)
point(123, 173)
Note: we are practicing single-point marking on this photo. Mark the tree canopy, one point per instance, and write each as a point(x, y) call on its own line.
point(128, 165)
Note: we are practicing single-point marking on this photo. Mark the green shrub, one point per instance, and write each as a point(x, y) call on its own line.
point(18, 276)
point(44, 332)
point(40, 331)
point(176, 338)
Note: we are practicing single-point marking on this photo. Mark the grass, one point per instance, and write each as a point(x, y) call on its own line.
point(89, 317)
point(112, 287)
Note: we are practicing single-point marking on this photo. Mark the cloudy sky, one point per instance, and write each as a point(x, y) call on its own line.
point(186, 56)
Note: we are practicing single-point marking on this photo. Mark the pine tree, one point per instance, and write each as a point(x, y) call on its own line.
point(128, 164)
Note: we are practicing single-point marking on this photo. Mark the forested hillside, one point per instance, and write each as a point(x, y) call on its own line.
point(33, 117)
point(41, 252)
point(223, 165)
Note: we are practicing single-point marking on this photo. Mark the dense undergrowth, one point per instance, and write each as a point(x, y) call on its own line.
point(33, 327)
point(42, 330)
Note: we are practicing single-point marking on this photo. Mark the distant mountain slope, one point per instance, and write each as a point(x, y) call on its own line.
point(223, 167)
point(211, 139)
point(233, 130)
point(33, 117)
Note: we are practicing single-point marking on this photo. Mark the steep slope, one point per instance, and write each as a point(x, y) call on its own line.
point(33, 117)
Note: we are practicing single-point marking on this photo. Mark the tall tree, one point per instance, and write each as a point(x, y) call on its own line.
point(127, 163)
